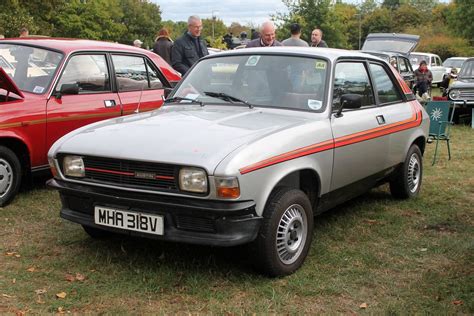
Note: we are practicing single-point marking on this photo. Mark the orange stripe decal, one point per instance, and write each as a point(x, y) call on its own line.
point(413, 121)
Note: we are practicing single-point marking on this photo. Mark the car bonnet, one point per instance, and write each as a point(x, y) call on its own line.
point(391, 42)
point(8, 84)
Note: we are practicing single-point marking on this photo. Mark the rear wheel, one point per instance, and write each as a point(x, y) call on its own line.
point(285, 236)
point(406, 182)
point(10, 175)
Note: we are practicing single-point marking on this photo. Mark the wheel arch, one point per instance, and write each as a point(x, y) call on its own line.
point(421, 143)
point(21, 150)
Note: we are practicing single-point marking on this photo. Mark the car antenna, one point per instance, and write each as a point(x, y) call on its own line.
point(139, 100)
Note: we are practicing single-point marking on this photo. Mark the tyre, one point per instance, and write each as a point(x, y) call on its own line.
point(286, 232)
point(96, 233)
point(406, 182)
point(10, 175)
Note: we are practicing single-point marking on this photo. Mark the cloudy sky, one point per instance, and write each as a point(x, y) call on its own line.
point(242, 11)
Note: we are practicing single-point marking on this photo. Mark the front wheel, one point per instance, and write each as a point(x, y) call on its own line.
point(406, 182)
point(10, 175)
point(285, 236)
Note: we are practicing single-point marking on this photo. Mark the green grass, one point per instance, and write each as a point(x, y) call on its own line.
point(399, 257)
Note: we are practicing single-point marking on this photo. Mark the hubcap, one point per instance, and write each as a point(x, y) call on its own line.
point(414, 173)
point(6, 177)
point(291, 234)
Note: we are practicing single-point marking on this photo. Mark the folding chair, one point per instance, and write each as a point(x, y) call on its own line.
point(440, 122)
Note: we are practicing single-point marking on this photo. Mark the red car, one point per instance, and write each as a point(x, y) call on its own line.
point(50, 86)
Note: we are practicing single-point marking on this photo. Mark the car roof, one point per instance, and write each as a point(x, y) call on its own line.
point(68, 45)
point(328, 53)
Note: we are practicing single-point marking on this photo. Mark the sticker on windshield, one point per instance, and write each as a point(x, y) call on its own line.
point(320, 65)
point(315, 104)
point(192, 96)
point(38, 89)
point(252, 61)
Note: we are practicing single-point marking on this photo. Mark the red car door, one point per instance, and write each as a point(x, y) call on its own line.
point(83, 95)
point(139, 83)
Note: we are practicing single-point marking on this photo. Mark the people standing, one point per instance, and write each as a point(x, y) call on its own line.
point(295, 39)
point(423, 77)
point(190, 47)
point(137, 43)
point(317, 39)
point(267, 36)
point(163, 45)
point(24, 32)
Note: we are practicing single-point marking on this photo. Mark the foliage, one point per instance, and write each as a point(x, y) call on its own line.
point(445, 46)
point(461, 19)
point(208, 25)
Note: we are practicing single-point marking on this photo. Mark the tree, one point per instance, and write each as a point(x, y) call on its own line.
point(405, 16)
point(461, 19)
point(142, 20)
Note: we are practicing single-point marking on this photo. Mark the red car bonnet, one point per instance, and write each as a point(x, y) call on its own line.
point(7, 83)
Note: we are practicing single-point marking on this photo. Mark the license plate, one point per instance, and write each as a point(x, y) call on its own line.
point(105, 216)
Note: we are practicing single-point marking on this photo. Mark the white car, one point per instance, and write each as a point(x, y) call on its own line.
point(433, 62)
point(454, 62)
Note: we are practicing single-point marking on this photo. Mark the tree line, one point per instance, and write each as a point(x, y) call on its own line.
point(445, 28)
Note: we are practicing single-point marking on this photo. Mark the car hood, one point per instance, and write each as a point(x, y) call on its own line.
point(391, 42)
point(463, 83)
point(7, 83)
point(183, 135)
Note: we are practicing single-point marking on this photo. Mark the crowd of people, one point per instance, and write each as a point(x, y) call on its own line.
point(187, 49)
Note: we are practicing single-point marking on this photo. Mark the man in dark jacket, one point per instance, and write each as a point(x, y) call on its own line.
point(190, 47)
point(267, 36)
point(317, 39)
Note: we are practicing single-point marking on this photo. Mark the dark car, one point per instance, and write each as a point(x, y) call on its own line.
point(51, 86)
point(395, 49)
point(462, 90)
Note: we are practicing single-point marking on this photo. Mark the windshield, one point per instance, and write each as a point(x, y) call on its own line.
point(453, 63)
point(467, 70)
point(257, 80)
point(31, 68)
point(416, 59)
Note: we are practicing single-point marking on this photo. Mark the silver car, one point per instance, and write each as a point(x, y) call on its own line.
point(248, 148)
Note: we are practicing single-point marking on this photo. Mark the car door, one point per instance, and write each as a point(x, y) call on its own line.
point(398, 114)
point(93, 101)
point(359, 152)
point(139, 83)
point(437, 69)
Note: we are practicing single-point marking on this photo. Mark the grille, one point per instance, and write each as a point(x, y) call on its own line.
point(466, 94)
point(132, 174)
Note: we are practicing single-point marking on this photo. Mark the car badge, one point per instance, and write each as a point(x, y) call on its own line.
point(145, 175)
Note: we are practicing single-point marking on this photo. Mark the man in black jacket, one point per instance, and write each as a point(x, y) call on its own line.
point(190, 47)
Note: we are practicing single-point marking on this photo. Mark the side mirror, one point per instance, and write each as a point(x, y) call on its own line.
point(67, 88)
point(349, 101)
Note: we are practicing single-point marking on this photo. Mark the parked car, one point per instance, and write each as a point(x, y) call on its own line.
point(462, 91)
point(49, 87)
point(454, 62)
point(432, 61)
point(250, 146)
point(395, 49)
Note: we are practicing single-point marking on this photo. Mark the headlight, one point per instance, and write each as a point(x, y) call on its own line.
point(73, 166)
point(454, 94)
point(227, 188)
point(193, 180)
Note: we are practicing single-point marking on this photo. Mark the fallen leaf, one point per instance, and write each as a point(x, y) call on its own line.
point(363, 305)
point(17, 256)
point(61, 310)
point(424, 249)
point(80, 277)
point(61, 295)
point(32, 269)
point(8, 296)
point(40, 291)
point(39, 300)
point(10, 254)
point(371, 221)
point(70, 278)
point(14, 281)
point(20, 313)
point(458, 302)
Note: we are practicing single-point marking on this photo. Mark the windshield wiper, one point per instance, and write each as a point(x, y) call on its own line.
point(226, 97)
point(178, 99)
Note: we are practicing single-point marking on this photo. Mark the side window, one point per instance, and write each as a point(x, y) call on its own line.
point(131, 73)
point(386, 89)
point(155, 82)
point(352, 77)
point(403, 65)
point(90, 72)
point(438, 61)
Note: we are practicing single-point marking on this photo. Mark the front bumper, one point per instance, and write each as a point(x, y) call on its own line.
point(203, 222)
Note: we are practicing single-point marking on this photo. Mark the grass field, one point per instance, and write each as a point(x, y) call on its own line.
point(371, 255)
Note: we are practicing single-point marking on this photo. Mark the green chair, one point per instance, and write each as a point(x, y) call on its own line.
point(440, 121)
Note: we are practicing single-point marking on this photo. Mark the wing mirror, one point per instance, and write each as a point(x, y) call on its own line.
point(67, 88)
point(349, 101)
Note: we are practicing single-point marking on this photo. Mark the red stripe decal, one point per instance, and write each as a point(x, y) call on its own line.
point(111, 171)
point(164, 177)
point(413, 121)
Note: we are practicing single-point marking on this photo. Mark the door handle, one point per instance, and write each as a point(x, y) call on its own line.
point(380, 119)
point(109, 103)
